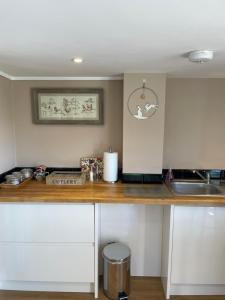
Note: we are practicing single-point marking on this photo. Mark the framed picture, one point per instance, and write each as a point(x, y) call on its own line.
point(67, 106)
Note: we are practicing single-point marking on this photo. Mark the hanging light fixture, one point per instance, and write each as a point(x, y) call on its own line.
point(143, 102)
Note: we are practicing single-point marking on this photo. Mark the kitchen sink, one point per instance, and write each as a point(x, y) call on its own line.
point(194, 188)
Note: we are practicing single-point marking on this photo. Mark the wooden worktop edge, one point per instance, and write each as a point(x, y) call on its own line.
point(101, 192)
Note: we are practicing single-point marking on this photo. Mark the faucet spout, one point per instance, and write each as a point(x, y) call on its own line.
point(206, 179)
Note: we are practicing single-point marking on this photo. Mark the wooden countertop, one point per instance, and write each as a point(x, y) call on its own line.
point(100, 192)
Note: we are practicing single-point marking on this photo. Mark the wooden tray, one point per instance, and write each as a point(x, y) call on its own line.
point(65, 178)
point(5, 185)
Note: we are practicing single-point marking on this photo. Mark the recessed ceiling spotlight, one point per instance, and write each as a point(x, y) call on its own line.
point(78, 60)
point(200, 56)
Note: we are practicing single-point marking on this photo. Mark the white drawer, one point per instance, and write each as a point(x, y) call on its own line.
point(52, 262)
point(46, 223)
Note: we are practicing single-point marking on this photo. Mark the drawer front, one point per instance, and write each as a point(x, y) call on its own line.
point(52, 262)
point(46, 223)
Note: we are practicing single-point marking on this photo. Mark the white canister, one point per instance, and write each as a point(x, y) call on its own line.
point(110, 166)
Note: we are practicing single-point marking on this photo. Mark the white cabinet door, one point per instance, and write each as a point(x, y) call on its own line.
point(198, 253)
point(47, 262)
point(47, 223)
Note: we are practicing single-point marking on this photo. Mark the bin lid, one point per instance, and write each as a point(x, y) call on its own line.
point(116, 252)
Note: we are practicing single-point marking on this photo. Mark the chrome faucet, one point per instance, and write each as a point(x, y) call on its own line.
point(169, 176)
point(206, 179)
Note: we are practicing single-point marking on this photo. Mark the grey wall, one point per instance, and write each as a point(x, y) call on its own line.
point(63, 145)
point(195, 123)
point(139, 227)
point(194, 127)
point(7, 139)
point(143, 139)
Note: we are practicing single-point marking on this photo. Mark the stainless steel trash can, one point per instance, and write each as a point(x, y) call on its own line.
point(116, 273)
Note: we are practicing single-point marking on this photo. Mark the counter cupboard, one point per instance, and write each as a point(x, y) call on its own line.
point(193, 250)
point(49, 247)
point(52, 245)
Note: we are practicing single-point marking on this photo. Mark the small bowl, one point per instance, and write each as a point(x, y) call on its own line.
point(27, 173)
point(19, 175)
point(11, 179)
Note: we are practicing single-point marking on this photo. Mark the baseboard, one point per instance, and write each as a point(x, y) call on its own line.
point(47, 286)
point(197, 289)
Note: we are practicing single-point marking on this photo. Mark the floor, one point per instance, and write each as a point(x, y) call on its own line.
point(141, 289)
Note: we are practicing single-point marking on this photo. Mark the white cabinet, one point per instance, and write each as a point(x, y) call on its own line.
point(47, 262)
point(198, 255)
point(195, 261)
point(47, 223)
point(48, 247)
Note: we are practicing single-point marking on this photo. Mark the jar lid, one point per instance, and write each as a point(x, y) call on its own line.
point(116, 252)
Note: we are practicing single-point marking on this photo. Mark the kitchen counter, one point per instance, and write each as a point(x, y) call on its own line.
point(101, 192)
point(41, 234)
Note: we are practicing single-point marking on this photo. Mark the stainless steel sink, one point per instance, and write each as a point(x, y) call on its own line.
point(194, 188)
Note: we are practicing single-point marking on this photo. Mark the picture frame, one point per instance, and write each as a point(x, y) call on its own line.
point(82, 106)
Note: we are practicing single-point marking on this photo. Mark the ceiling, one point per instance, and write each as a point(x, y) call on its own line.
point(39, 37)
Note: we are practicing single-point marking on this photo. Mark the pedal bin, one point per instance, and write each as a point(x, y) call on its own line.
point(116, 273)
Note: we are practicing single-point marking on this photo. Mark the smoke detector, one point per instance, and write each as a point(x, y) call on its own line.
point(200, 56)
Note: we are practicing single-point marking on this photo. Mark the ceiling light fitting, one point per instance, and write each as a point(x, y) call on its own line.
point(200, 56)
point(78, 60)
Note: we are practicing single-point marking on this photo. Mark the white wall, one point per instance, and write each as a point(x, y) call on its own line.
point(139, 227)
point(7, 138)
point(195, 124)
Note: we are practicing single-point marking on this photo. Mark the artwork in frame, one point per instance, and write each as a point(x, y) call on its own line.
point(67, 106)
